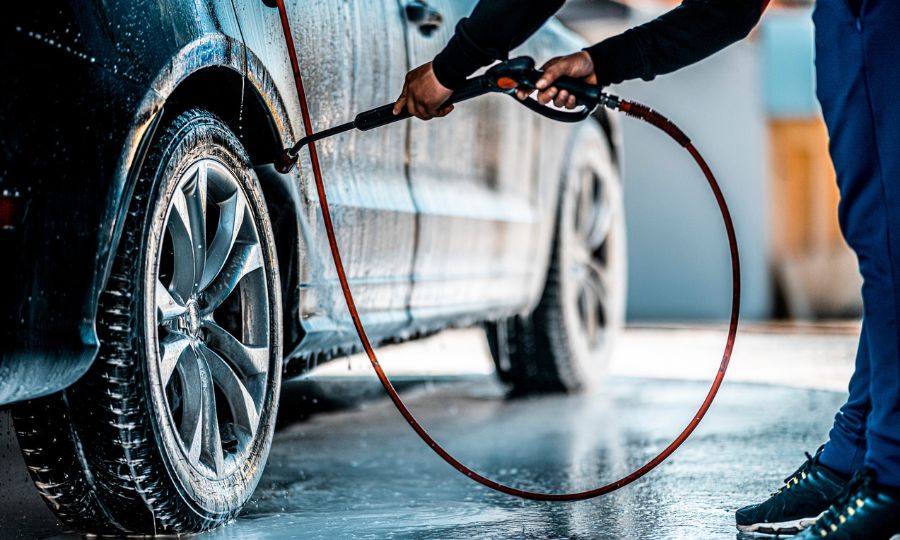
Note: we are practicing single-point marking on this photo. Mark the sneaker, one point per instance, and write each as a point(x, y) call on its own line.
point(864, 511)
point(805, 495)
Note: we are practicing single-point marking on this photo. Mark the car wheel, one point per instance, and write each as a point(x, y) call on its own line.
point(169, 430)
point(565, 343)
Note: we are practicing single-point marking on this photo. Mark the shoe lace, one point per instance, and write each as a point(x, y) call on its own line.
point(799, 474)
point(845, 505)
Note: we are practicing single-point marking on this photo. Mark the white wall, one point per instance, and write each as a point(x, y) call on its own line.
point(678, 257)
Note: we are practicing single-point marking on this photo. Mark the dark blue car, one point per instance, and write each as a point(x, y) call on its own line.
point(160, 280)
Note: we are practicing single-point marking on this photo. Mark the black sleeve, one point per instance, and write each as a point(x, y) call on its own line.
point(494, 28)
point(687, 34)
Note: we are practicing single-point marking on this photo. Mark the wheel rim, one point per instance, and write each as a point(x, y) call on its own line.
point(592, 253)
point(212, 319)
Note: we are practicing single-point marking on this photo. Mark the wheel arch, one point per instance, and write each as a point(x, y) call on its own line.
point(203, 71)
point(253, 109)
point(223, 76)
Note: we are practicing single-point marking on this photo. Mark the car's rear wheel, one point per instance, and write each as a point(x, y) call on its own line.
point(565, 344)
point(170, 429)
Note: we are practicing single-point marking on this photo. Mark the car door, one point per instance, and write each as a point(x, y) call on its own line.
point(352, 57)
point(472, 183)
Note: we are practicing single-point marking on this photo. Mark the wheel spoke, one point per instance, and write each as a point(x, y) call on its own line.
point(167, 306)
point(581, 253)
point(602, 226)
point(244, 258)
point(248, 360)
point(596, 280)
point(231, 217)
point(243, 409)
point(589, 313)
point(586, 207)
point(179, 228)
point(171, 349)
point(192, 390)
point(596, 288)
point(212, 441)
point(195, 194)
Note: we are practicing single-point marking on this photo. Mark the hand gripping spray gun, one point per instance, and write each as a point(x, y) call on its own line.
point(506, 77)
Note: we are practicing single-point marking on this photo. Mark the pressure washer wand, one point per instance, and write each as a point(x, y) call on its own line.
point(504, 77)
point(374, 118)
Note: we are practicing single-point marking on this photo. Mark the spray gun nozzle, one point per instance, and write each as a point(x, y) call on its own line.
point(286, 161)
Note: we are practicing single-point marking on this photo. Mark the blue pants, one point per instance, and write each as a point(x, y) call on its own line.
point(858, 75)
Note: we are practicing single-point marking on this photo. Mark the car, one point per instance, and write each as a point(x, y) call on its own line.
point(162, 278)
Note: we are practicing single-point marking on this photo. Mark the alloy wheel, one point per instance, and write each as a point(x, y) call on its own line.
point(212, 320)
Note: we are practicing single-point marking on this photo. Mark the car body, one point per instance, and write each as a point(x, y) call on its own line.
point(86, 82)
point(443, 223)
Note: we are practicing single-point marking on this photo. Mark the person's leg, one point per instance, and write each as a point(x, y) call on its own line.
point(841, 89)
point(845, 450)
point(809, 492)
point(880, 29)
point(858, 73)
point(870, 220)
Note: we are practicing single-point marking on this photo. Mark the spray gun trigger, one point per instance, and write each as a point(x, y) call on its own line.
point(507, 83)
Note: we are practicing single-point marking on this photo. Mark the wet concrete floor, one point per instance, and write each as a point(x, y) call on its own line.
point(361, 473)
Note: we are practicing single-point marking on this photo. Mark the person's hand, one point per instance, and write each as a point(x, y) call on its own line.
point(576, 65)
point(423, 96)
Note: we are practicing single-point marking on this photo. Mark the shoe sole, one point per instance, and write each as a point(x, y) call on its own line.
point(784, 527)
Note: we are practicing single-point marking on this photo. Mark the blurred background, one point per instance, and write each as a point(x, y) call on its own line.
point(753, 113)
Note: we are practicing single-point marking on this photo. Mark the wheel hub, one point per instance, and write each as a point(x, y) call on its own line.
point(189, 322)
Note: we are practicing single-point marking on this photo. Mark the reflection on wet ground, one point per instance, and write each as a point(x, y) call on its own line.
point(361, 473)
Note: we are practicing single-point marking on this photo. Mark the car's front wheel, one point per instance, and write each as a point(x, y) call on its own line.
point(170, 429)
point(565, 344)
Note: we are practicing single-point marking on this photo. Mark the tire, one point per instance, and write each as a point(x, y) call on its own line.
point(565, 343)
point(169, 430)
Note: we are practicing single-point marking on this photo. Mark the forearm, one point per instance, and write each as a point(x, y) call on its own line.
point(687, 34)
point(494, 28)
